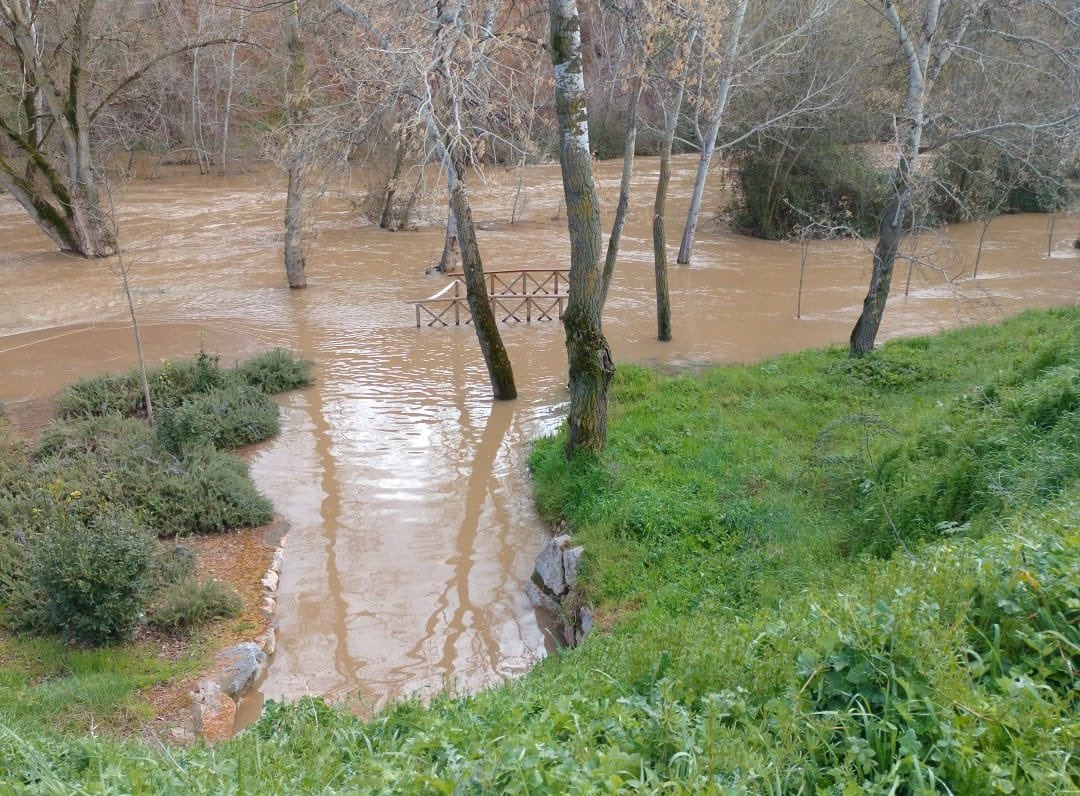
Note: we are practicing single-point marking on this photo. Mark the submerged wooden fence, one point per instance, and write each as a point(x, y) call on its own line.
point(523, 295)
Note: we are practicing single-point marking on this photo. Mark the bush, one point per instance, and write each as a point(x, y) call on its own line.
point(170, 383)
point(275, 371)
point(87, 582)
point(786, 187)
point(225, 417)
point(190, 602)
point(116, 462)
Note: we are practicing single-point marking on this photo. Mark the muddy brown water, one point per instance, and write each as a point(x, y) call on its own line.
point(412, 523)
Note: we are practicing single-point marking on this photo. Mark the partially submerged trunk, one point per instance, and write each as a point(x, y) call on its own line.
point(590, 361)
point(483, 318)
point(58, 191)
point(294, 219)
point(296, 104)
point(708, 145)
point(629, 144)
point(660, 265)
point(448, 261)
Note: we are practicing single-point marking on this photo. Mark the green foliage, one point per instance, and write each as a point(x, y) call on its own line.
point(810, 185)
point(274, 371)
point(190, 602)
point(86, 581)
point(224, 417)
point(173, 383)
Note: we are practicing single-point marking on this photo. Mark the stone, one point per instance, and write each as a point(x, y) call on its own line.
point(549, 566)
point(269, 641)
point(540, 599)
point(239, 667)
point(270, 580)
point(269, 605)
point(278, 560)
point(213, 711)
point(585, 621)
point(571, 560)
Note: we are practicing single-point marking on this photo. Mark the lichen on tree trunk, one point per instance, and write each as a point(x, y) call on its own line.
point(590, 362)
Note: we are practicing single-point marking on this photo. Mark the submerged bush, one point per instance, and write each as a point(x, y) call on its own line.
point(274, 371)
point(172, 383)
point(86, 581)
point(815, 185)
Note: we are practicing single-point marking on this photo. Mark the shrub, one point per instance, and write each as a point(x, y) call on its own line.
point(275, 371)
point(224, 417)
point(170, 382)
point(117, 462)
point(87, 581)
point(786, 187)
point(190, 602)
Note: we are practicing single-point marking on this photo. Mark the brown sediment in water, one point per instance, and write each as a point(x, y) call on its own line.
point(405, 488)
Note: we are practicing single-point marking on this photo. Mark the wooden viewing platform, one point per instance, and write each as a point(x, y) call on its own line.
point(518, 295)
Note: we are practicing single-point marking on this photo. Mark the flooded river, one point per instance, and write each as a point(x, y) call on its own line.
point(412, 529)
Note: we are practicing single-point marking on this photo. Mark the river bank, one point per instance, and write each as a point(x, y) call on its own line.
point(812, 571)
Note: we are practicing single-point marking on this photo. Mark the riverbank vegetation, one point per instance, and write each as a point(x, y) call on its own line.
point(85, 512)
point(814, 574)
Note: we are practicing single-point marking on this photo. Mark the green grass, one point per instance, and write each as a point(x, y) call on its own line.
point(812, 575)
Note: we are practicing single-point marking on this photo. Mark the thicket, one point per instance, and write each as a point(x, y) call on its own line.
point(808, 184)
point(82, 509)
point(754, 634)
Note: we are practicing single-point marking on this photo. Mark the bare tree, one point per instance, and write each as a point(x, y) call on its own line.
point(49, 113)
point(297, 150)
point(984, 40)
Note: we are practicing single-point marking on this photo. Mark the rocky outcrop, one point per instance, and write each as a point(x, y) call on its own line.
point(553, 587)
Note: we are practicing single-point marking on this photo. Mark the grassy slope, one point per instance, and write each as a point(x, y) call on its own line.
point(828, 576)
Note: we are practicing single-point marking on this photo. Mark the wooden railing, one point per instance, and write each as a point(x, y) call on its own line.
point(516, 296)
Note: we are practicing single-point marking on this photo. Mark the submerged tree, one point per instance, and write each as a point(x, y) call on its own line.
point(45, 156)
point(61, 67)
point(1028, 47)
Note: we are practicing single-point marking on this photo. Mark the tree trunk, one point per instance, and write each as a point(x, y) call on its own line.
point(591, 364)
point(386, 218)
point(487, 329)
point(294, 218)
point(889, 233)
point(629, 143)
point(296, 105)
point(708, 146)
point(660, 266)
point(448, 261)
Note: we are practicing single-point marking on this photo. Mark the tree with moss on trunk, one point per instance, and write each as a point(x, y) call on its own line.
point(53, 90)
point(590, 361)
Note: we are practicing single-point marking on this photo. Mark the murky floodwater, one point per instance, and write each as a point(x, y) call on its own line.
point(412, 525)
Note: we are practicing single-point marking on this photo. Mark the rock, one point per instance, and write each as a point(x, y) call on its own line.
point(213, 711)
point(270, 580)
point(585, 621)
point(541, 599)
point(571, 562)
point(278, 560)
point(269, 605)
point(269, 639)
point(239, 667)
point(549, 566)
